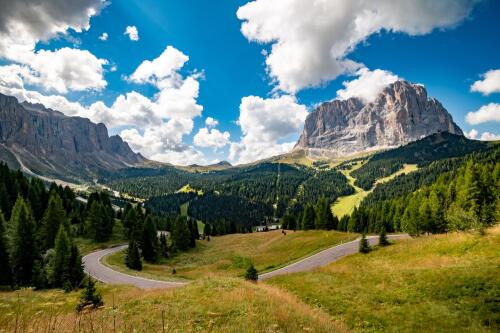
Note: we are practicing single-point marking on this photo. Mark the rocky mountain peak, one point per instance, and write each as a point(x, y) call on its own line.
point(401, 113)
point(49, 143)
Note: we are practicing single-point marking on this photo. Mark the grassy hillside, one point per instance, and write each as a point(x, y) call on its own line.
point(345, 205)
point(208, 305)
point(230, 255)
point(442, 283)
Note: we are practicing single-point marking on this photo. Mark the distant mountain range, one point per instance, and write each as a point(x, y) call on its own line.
point(400, 114)
point(46, 142)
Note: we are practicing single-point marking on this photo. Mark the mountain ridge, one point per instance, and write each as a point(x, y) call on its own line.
point(400, 114)
point(49, 143)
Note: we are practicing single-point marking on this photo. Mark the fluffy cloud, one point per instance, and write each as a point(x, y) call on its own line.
point(166, 118)
point(104, 36)
point(211, 138)
point(24, 23)
point(485, 136)
point(265, 123)
point(132, 33)
point(368, 84)
point(211, 122)
point(311, 39)
point(164, 143)
point(489, 84)
point(159, 69)
point(489, 112)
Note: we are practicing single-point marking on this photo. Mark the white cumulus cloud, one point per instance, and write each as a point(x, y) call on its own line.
point(489, 84)
point(265, 124)
point(104, 36)
point(211, 138)
point(486, 113)
point(485, 136)
point(311, 39)
point(368, 85)
point(132, 33)
point(211, 122)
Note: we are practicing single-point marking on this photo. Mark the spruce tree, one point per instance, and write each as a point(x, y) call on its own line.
point(164, 246)
point(90, 296)
point(54, 216)
point(99, 224)
point(24, 249)
point(180, 234)
point(323, 219)
point(131, 223)
point(308, 218)
point(207, 230)
point(382, 240)
point(133, 258)
point(364, 246)
point(5, 270)
point(149, 243)
point(75, 267)
point(251, 273)
point(62, 253)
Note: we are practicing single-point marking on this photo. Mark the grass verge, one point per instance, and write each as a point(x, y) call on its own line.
point(230, 255)
point(442, 283)
point(207, 305)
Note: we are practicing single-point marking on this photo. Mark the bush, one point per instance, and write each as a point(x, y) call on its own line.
point(364, 247)
point(251, 273)
point(90, 297)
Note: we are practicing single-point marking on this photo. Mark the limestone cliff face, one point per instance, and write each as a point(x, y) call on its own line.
point(51, 144)
point(401, 113)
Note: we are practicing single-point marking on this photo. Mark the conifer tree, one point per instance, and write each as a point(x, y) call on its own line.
point(62, 253)
point(251, 273)
point(90, 296)
point(164, 246)
point(308, 218)
point(5, 270)
point(99, 225)
point(131, 223)
point(382, 240)
point(180, 234)
point(24, 249)
point(133, 258)
point(207, 230)
point(364, 246)
point(323, 214)
point(75, 267)
point(149, 243)
point(54, 216)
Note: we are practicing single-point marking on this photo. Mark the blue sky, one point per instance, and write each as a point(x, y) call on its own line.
point(447, 51)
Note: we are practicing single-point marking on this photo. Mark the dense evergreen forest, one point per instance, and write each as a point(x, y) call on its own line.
point(241, 196)
point(451, 194)
point(422, 152)
point(40, 224)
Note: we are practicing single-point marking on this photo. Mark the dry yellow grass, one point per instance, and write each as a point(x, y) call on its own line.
point(230, 255)
point(207, 305)
point(441, 283)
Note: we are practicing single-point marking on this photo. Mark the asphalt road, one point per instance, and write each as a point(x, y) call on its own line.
point(94, 267)
point(324, 257)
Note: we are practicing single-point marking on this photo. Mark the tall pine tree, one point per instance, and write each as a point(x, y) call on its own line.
point(133, 257)
point(308, 218)
point(24, 250)
point(5, 270)
point(53, 218)
point(150, 244)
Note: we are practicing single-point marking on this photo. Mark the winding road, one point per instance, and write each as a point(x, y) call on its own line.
point(93, 265)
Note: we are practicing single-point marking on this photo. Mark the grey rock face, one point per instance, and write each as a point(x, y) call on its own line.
point(401, 113)
point(49, 143)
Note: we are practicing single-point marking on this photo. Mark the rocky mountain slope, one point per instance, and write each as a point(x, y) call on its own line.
point(401, 113)
point(48, 143)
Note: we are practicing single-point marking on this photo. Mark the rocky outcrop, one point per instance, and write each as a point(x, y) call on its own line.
point(401, 113)
point(51, 144)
